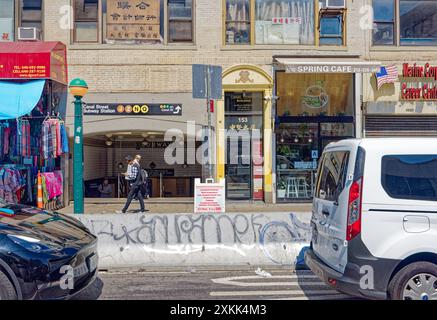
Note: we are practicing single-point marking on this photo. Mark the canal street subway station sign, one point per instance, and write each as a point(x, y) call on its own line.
point(133, 109)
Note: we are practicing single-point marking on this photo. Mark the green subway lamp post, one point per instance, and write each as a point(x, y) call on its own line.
point(78, 88)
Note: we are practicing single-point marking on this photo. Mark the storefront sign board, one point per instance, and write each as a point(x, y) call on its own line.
point(209, 197)
point(33, 60)
point(133, 109)
point(311, 65)
point(419, 82)
point(133, 19)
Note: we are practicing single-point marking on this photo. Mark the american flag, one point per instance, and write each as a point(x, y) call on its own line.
point(387, 75)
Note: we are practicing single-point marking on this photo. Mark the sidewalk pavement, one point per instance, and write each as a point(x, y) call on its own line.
point(184, 205)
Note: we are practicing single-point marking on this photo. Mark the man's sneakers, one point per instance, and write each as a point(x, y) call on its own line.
point(140, 212)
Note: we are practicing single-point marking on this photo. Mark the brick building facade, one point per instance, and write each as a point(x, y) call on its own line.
point(259, 53)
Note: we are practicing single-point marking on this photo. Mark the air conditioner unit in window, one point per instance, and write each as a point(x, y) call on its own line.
point(29, 34)
point(332, 4)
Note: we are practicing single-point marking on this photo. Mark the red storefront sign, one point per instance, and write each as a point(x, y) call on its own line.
point(33, 60)
point(419, 83)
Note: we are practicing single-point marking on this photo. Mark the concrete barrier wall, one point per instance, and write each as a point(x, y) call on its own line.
point(177, 240)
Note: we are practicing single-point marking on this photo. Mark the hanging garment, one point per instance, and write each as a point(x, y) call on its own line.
point(58, 139)
point(59, 188)
point(53, 184)
point(64, 139)
point(23, 138)
point(7, 135)
point(46, 140)
point(2, 187)
point(2, 133)
point(54, 139)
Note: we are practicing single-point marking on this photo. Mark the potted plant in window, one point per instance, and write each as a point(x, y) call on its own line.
point(281, 188)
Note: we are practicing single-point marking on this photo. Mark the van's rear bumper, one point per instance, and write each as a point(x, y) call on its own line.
point(347, 282)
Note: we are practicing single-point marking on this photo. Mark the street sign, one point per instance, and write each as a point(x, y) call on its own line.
point(133, 109)
point(200, 81)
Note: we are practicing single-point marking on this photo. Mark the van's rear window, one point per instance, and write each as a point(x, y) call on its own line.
point(332, 175)
point(412, 177)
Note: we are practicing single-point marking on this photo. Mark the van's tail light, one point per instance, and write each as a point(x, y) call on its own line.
point(354, 210)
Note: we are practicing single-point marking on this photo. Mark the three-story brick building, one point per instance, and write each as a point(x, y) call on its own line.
point(302, 72)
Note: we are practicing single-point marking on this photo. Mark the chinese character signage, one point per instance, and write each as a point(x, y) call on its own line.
point(133, 20)
point(132, 109)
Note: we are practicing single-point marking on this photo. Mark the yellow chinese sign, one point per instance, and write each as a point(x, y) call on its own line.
point(133, 20)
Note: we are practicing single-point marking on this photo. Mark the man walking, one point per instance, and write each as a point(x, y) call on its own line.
point(135, 180)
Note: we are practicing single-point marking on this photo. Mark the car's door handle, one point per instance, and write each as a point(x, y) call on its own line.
point(325, 213)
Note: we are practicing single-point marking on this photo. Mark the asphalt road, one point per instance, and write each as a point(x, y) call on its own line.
point(209, 284)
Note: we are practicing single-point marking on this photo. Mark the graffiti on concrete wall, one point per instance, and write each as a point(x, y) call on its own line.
point(228, 231)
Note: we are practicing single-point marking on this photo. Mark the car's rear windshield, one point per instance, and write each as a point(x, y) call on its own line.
point(412, 177)
point(332, 175)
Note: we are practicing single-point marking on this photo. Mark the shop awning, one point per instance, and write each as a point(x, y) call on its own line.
point(33, 60)
point(19, 98)
point(326, 65)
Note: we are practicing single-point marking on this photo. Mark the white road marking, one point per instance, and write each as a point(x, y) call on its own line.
point(233, 281)
point(271, 293)
point(322, 297)
point(319, 291)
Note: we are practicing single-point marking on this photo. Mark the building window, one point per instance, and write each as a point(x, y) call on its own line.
point(284, 22)
point(133, 21)
point(405, 22)
point(238, 22)
point(418, 22)
point(331, 27)
point(7, 24)
point(86, 20)
point(31, 14)
point(180, 20)
point(384, 22)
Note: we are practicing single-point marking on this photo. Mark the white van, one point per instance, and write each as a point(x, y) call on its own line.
point(374, 218)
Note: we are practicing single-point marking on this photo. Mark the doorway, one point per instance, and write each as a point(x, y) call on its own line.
point(243, 123)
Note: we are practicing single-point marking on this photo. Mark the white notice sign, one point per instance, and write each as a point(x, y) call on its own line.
point(209, 197)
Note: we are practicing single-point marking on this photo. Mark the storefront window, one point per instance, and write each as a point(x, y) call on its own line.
point(180, 20)
point(86, 20)
point(315, 94)
point(238, 21)
point(313, 110)
point(7, 20)
point(284, 22)
point(418, 22)
point(384, 22)
point(31, 14)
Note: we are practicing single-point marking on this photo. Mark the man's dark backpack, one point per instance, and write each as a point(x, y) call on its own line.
point(143, 182)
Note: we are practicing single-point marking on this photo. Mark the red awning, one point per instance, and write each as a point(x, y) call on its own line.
point(33, 60)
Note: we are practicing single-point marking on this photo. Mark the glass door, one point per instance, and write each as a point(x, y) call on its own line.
point(239, 171)
point(243, 123)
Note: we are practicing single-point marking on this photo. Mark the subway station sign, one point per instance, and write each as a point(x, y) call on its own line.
point(133, 109)
point(419, 83)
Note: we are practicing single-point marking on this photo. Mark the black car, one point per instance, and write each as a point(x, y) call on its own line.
point(44, 255)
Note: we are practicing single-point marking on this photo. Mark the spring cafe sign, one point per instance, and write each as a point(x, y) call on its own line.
point(419, 82)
